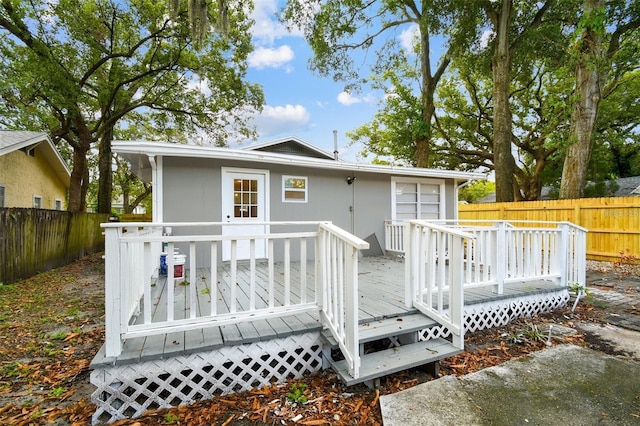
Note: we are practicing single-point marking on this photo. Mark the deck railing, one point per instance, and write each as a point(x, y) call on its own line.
point(434, 273)
point(338, 262)
point(501, 253)
point(135, 307)
point(394, 231)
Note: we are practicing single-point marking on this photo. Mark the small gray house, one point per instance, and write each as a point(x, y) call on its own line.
point(267, 263)
point(289, 180)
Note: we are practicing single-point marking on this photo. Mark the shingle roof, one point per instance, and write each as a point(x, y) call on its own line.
point(11, 140)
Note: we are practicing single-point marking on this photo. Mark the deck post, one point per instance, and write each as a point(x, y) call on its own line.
point(564, 253)
point(112, 291)
point(409, 262)
point(456, 289)
point(351, 307)
point(320, 259)
point(501, 255)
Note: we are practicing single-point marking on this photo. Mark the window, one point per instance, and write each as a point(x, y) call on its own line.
point(1, 195)
point(37, 201)
point(417, 199)
point(58, 204)
point(294, 189)
point(245, 198)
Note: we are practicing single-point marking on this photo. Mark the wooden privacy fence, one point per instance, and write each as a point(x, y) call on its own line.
point(35, 240)
point(613, 223)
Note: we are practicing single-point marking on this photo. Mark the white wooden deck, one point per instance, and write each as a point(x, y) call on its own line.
point(381, 290)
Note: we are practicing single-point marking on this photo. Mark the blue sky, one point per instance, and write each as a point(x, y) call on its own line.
point(298, 102)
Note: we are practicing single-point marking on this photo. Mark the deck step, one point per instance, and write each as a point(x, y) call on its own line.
point(388, 327)
point(389, 361)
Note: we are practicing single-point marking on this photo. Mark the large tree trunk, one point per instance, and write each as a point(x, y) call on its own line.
point(105, 164)
point(77, 175)
point(79, 137)
point(429, 84)
point(503, 160)
point(585, 109)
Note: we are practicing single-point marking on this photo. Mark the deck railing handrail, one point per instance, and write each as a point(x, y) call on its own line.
point(133, 253)
point(338, 285)
point(502, 253)
point(434, 262)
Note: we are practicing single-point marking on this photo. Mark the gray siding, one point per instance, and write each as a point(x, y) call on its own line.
point(192, 192)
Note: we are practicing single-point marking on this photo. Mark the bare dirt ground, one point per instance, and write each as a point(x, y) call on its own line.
point(51, 326)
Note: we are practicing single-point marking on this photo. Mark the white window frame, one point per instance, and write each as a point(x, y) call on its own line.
point(426, 181)
point(57, 202)
point(3, 195)
point(304, 190)
point(37, 198)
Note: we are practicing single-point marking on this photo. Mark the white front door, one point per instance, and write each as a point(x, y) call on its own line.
point(244, 203)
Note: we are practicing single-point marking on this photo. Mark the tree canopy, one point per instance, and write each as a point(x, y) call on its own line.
point(85, 70)
point(502, 96)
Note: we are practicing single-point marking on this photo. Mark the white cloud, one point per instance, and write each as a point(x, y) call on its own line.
point(264, 57)
point(408, 38)
point(346, 98)
point(279, 119)
point(198, 85)
point(266, 27)
point(485, 38)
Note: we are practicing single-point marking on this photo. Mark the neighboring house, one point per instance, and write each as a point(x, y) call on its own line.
point(289, 180)
point(624, 187)
point(32, 172)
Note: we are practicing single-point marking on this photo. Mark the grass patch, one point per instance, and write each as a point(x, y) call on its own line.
point(58, 336)
point(57, 392)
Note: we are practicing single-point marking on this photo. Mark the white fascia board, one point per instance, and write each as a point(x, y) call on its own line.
point(180, 150)
point(56, 155)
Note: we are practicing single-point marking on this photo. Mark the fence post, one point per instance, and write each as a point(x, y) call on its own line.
point(112, 291)
point(501, 255)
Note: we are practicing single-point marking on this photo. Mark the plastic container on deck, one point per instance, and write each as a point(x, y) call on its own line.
point(179, 261)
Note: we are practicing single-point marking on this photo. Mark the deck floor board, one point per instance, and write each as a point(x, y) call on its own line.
point(381, 294)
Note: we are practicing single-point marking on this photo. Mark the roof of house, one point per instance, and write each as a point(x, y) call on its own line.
point(13, 140)
point(292, 145)
point(138, 153)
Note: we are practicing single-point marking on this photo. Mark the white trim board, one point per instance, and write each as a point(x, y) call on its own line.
point(133, 149)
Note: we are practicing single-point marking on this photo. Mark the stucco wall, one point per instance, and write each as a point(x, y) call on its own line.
point(24, 176)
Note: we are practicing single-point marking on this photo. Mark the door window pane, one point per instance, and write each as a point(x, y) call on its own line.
point(245, 198)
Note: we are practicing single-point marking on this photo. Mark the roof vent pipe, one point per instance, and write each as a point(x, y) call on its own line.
point(335, 144)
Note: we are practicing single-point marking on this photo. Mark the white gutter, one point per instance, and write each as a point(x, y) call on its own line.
point(179, 150)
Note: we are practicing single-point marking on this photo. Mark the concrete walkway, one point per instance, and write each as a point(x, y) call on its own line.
point(563, 385)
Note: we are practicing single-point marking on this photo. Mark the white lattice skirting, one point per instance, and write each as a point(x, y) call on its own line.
point(127, 391)
point(500, 312)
